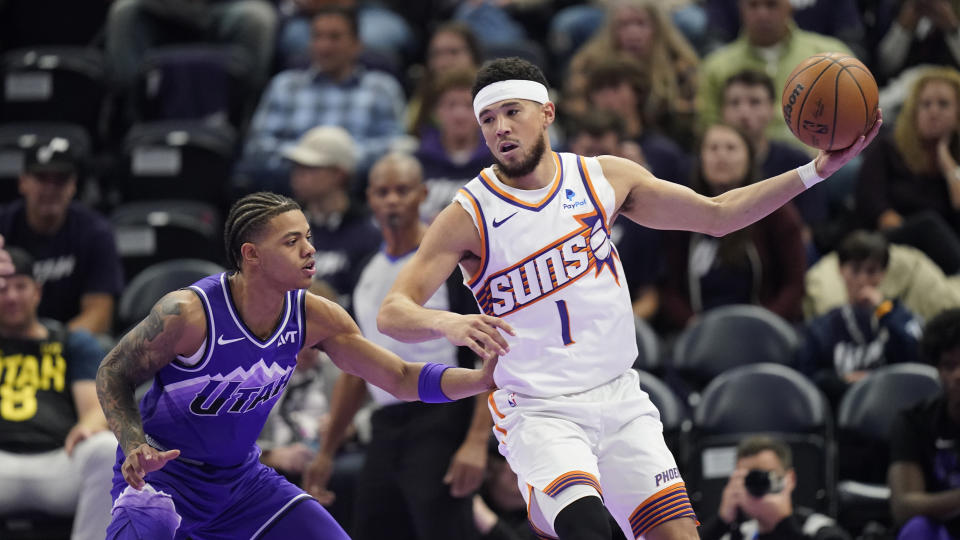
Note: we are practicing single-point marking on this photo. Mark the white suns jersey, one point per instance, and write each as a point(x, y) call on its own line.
point(549, 269)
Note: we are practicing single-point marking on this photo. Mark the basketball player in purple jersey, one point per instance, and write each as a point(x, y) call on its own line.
point(220, 352)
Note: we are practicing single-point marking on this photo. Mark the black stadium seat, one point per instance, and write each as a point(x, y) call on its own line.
point(674, 413)
point(866, 415)
point(149, 232)
point(177, 160)
point(730, 336)
point(767, 399)
point(55, 84)
point(154, 282)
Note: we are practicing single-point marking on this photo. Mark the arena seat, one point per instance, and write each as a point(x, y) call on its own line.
point(177, 159)
point(674, 413)
point(648, 347)
point(55, 84)
point(149, 232)
point(155, 281)
point(865, 418)
point(769, 399)
point(730, 336)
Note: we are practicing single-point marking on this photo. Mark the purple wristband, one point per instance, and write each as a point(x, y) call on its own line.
point(429, 385)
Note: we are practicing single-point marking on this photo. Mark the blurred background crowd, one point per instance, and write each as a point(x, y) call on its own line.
point(127, 128)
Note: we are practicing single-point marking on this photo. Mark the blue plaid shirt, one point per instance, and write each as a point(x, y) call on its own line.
point(368, 104)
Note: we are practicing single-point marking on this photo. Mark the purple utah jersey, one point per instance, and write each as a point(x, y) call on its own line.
point(213, 406)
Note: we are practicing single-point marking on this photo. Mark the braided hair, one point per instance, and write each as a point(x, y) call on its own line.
point(247, 218)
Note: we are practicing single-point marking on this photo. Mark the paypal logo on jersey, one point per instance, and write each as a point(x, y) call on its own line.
point(570, 203)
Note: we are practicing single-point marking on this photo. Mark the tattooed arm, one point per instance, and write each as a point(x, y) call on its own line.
point(175, 325)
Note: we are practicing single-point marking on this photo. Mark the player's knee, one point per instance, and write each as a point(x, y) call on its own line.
point(143, 514)
point(583, 519)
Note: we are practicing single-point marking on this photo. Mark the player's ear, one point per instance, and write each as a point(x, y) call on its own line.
point(249, 253)
point(549, 111)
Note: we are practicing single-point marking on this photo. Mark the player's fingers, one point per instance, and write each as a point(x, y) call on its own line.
point(495, 337)
point(168, 455)
point(476, 347)
point(490, 347)
point(500, 323)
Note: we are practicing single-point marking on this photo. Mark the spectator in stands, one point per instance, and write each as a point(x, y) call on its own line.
point(924, 32)
point(910, 277)
point(909, 184)
point(334, 90)
point(757, 500)
point(769, 42)
point(453, 46)
point(453, 152)
point(601, 133)
point(423, 461)
point(924, 474)
point(324, 166)
point(749, 103)
point(6, 267)
point(56, 453)
point(641, 30)
point(869, 331)
point(621, 86)
point(838, 18)
point(381, 30)
point(134, 26)
point(73, 246)
point(762, 264)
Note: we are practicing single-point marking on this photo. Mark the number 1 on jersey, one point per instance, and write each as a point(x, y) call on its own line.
point(564, 322)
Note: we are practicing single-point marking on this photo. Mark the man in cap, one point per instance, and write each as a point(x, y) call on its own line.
point(55, 450)
point(73, 246)
point(324, 163)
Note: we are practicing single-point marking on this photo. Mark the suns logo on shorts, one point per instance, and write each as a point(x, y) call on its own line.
point(550, 269)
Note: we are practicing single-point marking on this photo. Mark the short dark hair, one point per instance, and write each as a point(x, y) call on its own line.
point(247, 218)
point(347, 12)
point(506, 69)
point(463, 30)
point(23, 262)
point(861, 246)
point(940, 335)
point(596, 124)
point(752, 446)
point(750, 77)
point(615, 71)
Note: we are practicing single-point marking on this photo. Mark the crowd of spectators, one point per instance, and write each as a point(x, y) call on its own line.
point(343, 103)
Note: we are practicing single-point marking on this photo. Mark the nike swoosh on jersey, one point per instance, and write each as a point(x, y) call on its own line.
point(221, 341)
point(502, 221)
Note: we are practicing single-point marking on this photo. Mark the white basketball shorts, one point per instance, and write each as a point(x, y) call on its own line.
point(606, 441)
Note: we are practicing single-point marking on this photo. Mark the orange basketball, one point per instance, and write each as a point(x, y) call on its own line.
point(830, 100)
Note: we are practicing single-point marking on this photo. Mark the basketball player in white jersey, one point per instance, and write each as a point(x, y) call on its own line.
point(532, 236)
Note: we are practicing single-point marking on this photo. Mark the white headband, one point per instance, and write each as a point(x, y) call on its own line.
point(512, 89)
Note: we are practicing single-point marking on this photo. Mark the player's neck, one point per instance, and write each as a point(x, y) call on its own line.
point(542, 176)
point(400, 241)
point(259, 304)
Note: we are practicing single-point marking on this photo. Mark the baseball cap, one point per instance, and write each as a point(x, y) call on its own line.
point(22, 261)
point(55, 155)
point(324, 146)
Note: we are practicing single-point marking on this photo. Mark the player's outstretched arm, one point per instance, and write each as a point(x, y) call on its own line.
point(450, 239)
point(332, 329)
point(664, 205)
point(171, 328)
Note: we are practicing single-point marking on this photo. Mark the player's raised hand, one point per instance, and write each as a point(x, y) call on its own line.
point(829, 162)
point(142, 460)
point(316, 476)
point(479, 332)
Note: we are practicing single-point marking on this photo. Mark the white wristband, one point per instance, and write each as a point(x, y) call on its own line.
point(808, 174)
